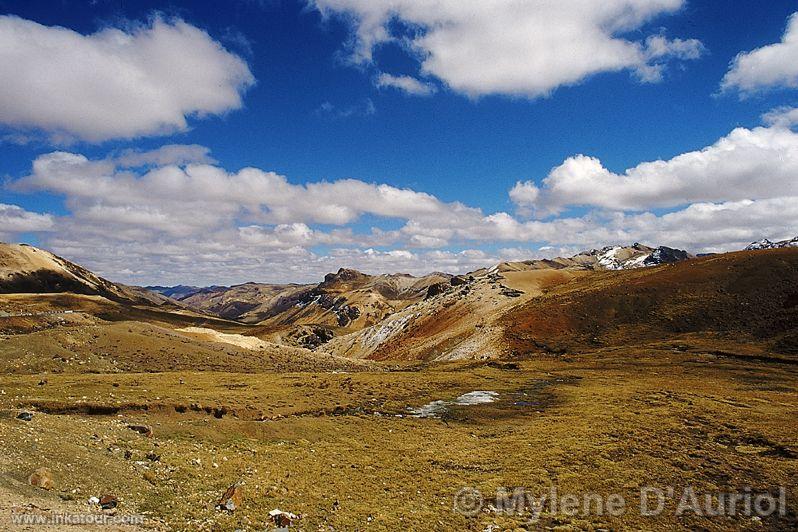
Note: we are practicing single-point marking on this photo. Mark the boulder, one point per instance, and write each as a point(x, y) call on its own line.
point(42, 478)
point(232, 498)
point(108, 502)
point(146, 430)
point(281, 518)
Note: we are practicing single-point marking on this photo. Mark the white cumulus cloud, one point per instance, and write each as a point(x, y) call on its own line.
point(515, 47)
point(768, 67)
point(14, 219)
point(747, 164)
point(141, 80)
point(781, 117)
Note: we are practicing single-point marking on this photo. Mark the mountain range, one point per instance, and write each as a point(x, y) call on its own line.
point(767, 244)
point(355, 315)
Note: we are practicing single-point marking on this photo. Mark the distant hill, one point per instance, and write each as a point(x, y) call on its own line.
point(27, 269)
point(175, 292)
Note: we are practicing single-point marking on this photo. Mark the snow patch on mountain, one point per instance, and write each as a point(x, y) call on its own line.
point(635, 256)
point(767, 244)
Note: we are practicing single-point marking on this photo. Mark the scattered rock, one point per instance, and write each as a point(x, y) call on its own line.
point(150, 477)
point(153, 457)
point(146, 430)
point(25, 416)
point(509, 292)
point(42, 478)
point(232, 498)
point(94, 501)
point(281, 518)
point(346, 314)
point(108, 502)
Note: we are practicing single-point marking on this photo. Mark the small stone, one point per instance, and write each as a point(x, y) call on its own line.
point(108, 502)
point(146, 430)
point(25, 416)
point(150, 477)
point(281, 518)
point(153, 457)
point(42, 478)
point(232, 498)
point(94, 500)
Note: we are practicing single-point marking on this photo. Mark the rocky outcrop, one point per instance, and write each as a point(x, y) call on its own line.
point(311, 336)
point(437, 289)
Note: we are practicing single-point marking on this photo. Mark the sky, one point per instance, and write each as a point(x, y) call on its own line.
point(277, 140)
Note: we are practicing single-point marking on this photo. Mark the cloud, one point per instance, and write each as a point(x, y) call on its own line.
point(514, 47)
point(407, 84)
point(757, 163)
point(179, 199)
point(365, 108)
point(658, 47)
point(141, 80)
point(15, 220)
point(769, 67)
point(179, 220)
point(178, 154)
point(781, 117)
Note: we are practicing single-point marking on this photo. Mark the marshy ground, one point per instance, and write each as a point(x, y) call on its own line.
point(341, 450)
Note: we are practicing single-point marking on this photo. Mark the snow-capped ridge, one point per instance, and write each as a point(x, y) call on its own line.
point(767, 244)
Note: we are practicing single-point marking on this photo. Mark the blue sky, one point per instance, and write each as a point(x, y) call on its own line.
point(312, 112)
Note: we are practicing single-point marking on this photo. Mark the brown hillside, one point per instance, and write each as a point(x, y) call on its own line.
point(25, 269)
point(746, 296)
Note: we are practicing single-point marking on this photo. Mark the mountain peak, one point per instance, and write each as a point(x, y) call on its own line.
point(767, 244)
point(344, 275)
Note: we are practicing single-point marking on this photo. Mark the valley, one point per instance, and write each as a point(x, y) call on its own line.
point(369, 402)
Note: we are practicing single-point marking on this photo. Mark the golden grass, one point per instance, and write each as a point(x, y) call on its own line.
point(614, 422)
